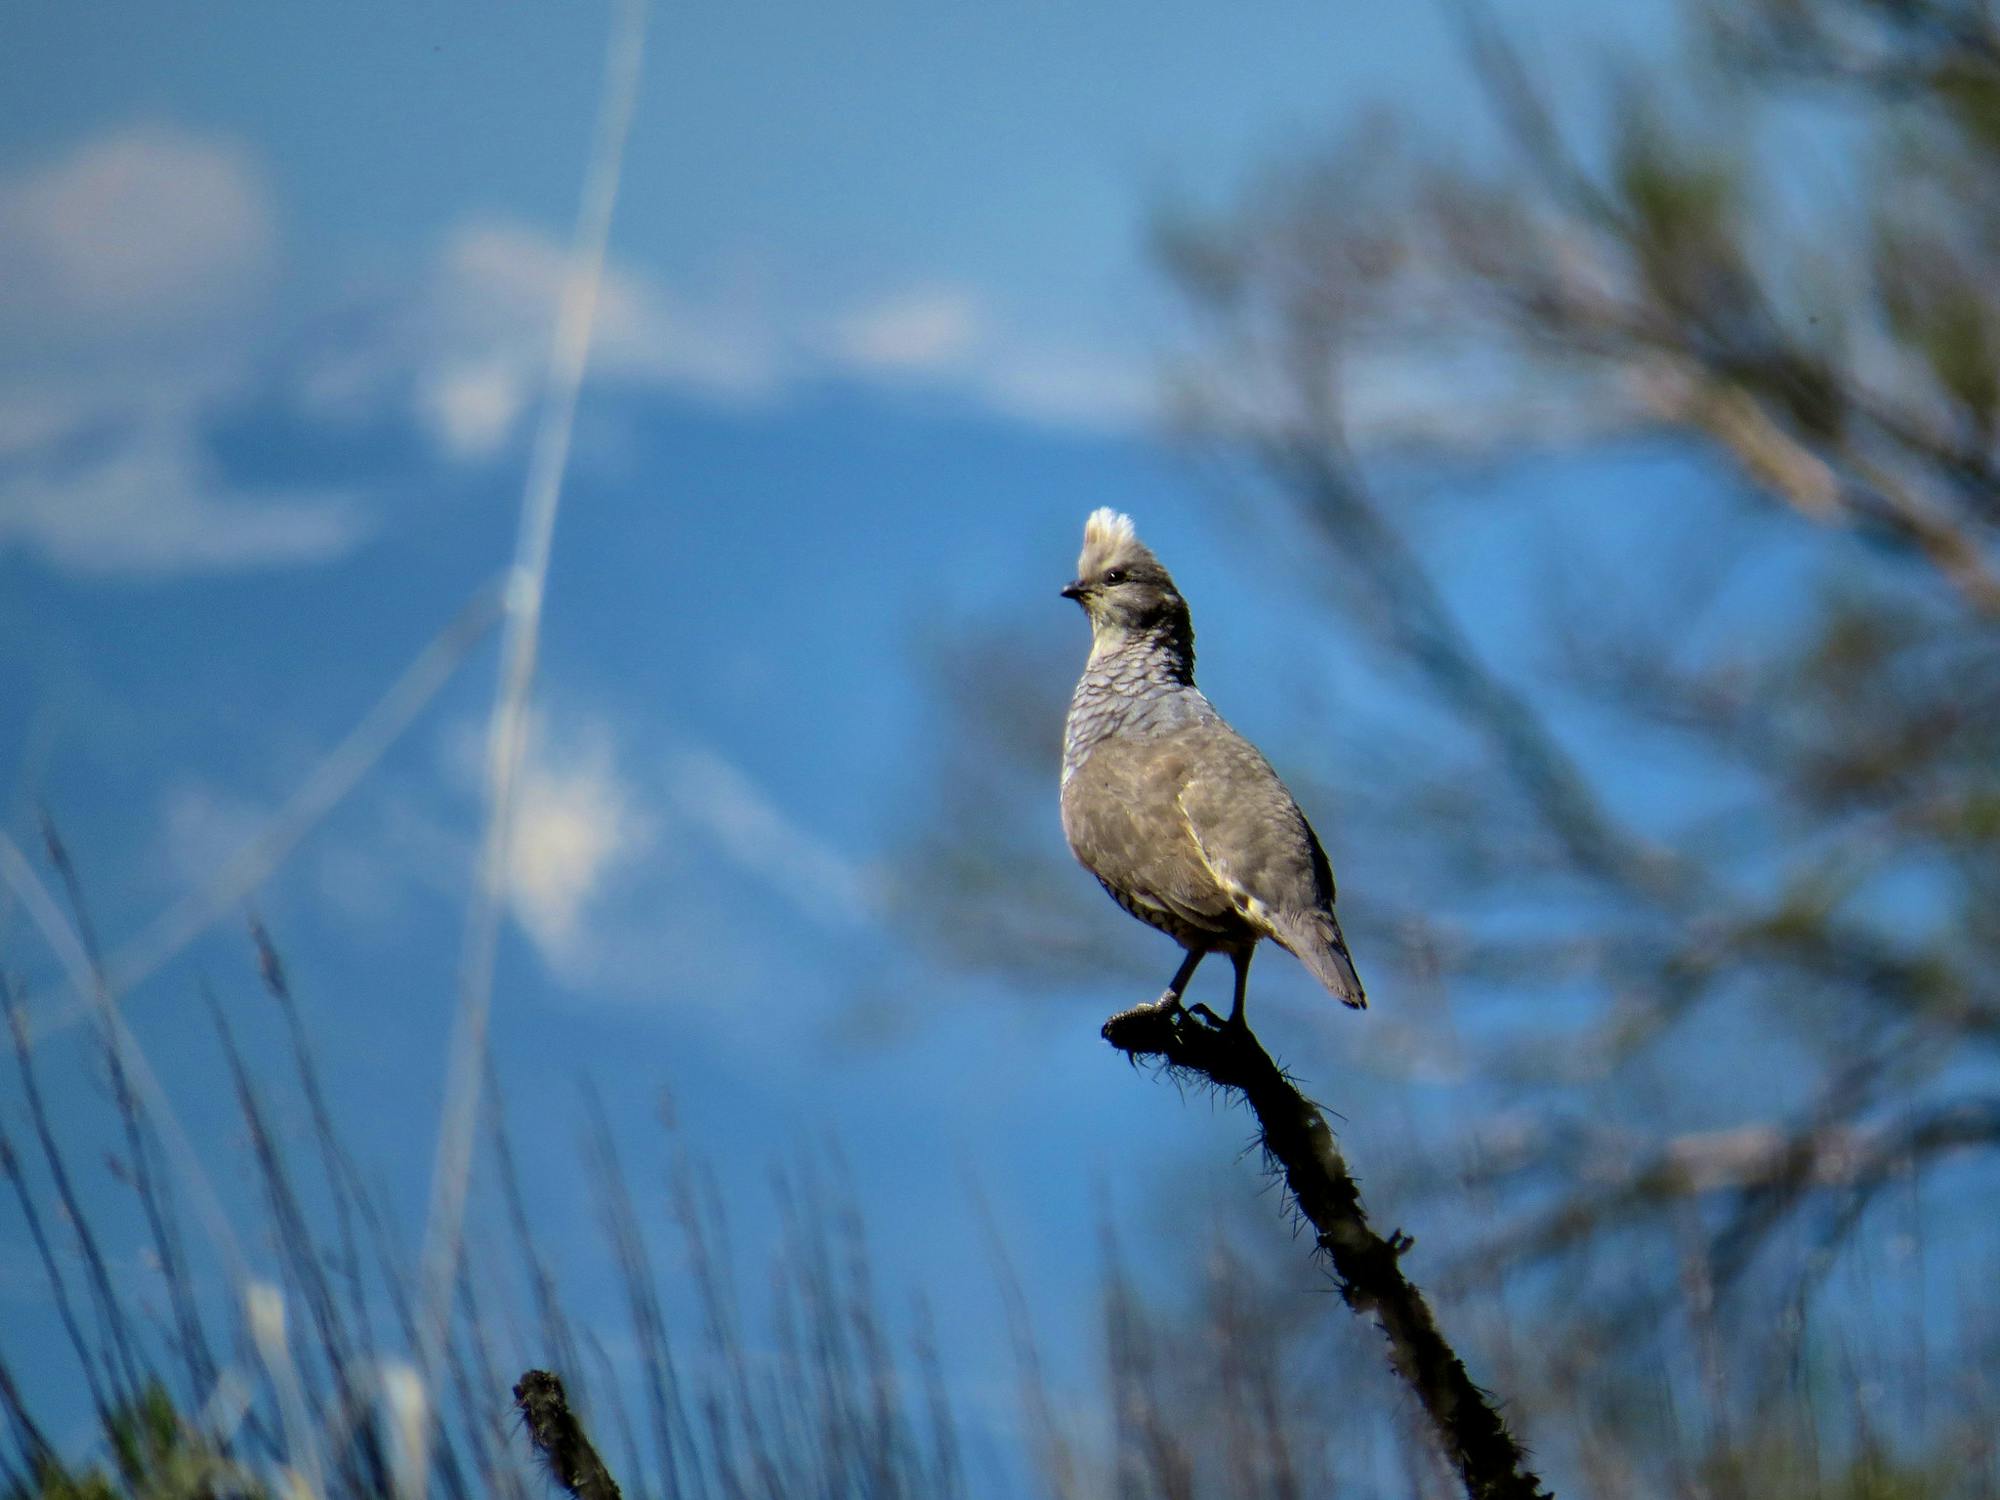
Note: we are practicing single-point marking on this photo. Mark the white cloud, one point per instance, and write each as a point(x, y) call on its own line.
point(486, 320)
point(581, 830)
point(944, 336)
point(576, 822)
point(482, 330)
point(919, 329)
point(617, 877)
point(141, 228)
point(471, 407)
point(144, 499)
point(1070, 387)
point(124, 258)
point(34, 416)
point(716, 796)
point(1472, 399)
point(201, 826)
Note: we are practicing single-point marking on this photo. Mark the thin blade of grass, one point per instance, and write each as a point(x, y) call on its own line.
point(331, 780)
point(507, 728)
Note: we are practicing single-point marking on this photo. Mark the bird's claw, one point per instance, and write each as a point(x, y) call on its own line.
point(1235, 1025)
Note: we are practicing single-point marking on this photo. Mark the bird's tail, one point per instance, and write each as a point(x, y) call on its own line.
point(1316, 940)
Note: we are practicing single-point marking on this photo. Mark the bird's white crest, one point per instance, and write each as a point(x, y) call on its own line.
point(1107, 534)
point(1107, 527)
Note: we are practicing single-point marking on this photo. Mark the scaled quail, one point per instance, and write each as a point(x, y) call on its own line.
point(1174, 812)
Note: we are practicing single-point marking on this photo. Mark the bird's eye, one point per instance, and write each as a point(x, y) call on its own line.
point(1116, 575)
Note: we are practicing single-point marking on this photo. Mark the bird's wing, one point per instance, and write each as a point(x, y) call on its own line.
point(1125, 826)
point(1250, 832)
point(1265, 857)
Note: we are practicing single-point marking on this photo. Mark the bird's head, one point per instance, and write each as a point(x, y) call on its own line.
point(1122, 586)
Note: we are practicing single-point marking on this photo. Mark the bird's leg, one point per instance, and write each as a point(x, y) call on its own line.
point(1170, 999)
point(1241, 958)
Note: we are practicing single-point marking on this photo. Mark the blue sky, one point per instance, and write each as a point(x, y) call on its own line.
point(955, 191)
point(878, 331)
point(867, 146)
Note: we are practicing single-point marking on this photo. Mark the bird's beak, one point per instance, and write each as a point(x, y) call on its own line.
point(1073, 590)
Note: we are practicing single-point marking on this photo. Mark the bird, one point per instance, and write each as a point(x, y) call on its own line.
point(1179, 817)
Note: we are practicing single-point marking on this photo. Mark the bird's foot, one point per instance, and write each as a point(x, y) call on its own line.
point(1235, 1025)
point(1146, 1027)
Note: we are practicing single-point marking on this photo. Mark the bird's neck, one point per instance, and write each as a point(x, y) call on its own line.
point(1133, 684)
point(1159, 655)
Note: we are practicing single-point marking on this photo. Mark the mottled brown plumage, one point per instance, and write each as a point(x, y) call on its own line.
point(1174, 812)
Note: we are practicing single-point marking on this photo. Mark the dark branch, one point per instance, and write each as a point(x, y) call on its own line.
point(1490, 1463)
point(559, 1437)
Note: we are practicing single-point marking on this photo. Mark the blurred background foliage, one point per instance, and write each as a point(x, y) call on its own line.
point(1777, 255)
